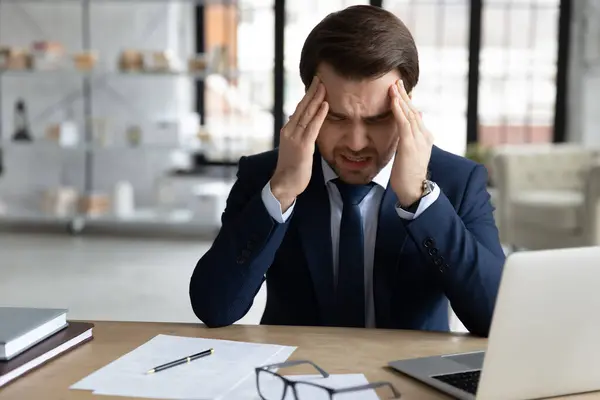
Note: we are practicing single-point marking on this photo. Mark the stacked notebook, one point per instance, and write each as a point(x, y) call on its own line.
point(30, 337)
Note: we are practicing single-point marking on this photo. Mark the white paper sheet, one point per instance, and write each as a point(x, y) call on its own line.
point(248, 390)
point(206, 378)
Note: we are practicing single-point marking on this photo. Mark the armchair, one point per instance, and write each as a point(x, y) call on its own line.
point(548, 196)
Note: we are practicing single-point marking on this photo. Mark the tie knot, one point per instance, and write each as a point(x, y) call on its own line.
point(352, 194)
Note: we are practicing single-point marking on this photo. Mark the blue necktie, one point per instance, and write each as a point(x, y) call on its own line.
point(350, 291)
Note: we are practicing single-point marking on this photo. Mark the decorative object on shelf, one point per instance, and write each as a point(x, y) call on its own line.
point(131, 61)
point(220, 60)
point(14, 58)
point(198, 64)
point(134, 135)
point(85, 60)
point(180, 160)
point(160, 61)
point(53, 133)
point(69, 136)
point(60, 202)
point(48, 55)
point(64, 133)
point(209, 200)
point(123, 201)
point(22, 133)
point(205, 138)
point(4, 56)
point(94, 204)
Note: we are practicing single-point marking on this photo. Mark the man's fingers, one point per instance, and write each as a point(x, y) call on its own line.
point(311, 111)
point(407, 120)
point(404, 125)
point(305, 101)
point(314, 127)
point(408, 113)
point(404, 95)
point(415, 115)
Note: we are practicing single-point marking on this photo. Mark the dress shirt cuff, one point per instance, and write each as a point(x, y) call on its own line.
point(273, 205)
point(425, 202)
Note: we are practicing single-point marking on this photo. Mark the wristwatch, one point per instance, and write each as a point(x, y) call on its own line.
point(427, 188)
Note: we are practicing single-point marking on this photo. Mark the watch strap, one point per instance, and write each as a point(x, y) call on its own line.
point(427, 189)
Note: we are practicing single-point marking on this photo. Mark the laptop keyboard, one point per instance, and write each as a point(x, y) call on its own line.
point(466, 381)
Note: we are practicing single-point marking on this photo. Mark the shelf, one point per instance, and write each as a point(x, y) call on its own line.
point(199, 2)
point(38, 144)
point(105, 73)
point(204, 211)
point(147, 216)
point(145, 222)
point(45, 144)
point(54, 147)
point(139, 217)
point(31, 216)
point(41, 144)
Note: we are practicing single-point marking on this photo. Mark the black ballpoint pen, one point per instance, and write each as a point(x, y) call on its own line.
point(183, 360)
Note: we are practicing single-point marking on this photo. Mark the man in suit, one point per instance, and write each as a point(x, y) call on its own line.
point(356, 219)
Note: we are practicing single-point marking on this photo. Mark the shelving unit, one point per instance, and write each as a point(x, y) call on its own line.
point(158, 216)
point(99, 73)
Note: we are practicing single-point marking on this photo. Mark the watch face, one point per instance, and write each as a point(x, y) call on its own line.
point(427, 187)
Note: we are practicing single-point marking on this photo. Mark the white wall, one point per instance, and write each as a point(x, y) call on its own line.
point(584, 74)
point(121, 100)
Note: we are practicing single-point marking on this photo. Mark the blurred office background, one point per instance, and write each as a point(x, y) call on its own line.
point(121, 123)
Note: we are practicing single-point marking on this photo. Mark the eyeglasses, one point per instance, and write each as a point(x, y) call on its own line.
point(272, 386)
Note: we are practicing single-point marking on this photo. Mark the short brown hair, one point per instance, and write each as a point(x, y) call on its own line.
point(361, 42)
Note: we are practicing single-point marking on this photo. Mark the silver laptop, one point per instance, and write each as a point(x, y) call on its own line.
point(545, 334)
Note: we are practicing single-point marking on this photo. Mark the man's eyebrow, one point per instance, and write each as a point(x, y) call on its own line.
point(380, 115)
point(336, 114)
point(370, 117)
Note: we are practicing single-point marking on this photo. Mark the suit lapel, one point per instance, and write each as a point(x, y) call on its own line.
point(314, 226)
point(391, 236)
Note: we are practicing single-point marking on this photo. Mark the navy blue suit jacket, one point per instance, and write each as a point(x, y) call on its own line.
point(451, 252)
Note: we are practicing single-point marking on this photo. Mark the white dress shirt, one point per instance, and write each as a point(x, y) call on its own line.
point(369, 209)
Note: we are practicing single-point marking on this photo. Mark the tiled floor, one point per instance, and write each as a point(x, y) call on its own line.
point(103, 278)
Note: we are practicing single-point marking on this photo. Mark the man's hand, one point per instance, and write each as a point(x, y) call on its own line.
point(414, 148)
point(297, 145)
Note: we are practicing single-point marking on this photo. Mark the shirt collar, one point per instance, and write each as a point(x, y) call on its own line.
point(382, 178)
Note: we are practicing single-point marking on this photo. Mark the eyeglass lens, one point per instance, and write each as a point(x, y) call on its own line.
point(310, 392)
point(271, 386)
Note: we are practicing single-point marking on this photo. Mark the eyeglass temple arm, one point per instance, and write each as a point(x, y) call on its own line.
point(298, 362)
point(373, 385)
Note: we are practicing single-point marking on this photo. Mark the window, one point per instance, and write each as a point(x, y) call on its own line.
point(303, 15)
point(441, 32)
point(518, 68)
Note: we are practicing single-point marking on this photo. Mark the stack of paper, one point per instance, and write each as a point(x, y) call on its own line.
point(231, 365)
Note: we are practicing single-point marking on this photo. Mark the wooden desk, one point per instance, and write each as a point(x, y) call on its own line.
point(336, 350)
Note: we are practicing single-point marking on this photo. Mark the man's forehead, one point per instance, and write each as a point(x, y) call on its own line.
point(371, 94)
point(362, 102)
point(332, 80)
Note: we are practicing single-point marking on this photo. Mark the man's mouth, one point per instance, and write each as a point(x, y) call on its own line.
point(355, 161)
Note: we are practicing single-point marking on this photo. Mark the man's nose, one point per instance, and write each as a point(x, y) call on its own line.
point(357, 138)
